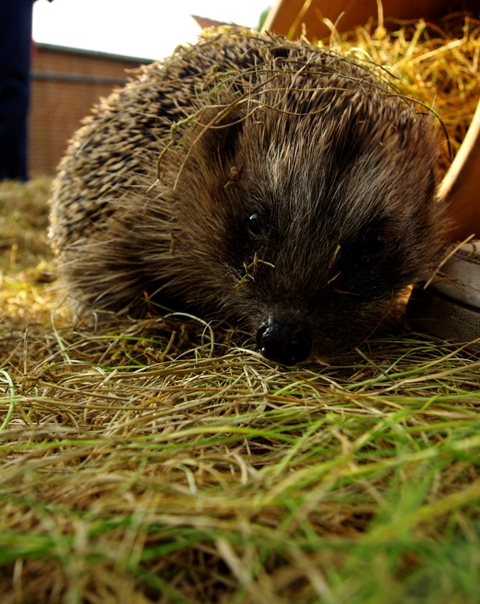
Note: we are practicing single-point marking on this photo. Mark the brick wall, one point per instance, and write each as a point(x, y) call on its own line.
point(65, 85)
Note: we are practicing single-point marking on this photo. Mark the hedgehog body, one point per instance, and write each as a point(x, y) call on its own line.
point(251, 177)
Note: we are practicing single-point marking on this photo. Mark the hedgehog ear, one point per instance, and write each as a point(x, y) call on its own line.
point(222, 136)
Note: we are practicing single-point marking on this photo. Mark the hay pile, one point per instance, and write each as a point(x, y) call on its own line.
point(165, 461)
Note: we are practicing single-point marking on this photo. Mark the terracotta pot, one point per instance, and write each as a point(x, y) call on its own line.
point(287, 16)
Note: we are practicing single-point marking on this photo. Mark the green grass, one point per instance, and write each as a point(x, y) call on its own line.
point(221, 478)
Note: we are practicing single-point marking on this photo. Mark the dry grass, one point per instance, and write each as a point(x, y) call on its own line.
point(165, 461)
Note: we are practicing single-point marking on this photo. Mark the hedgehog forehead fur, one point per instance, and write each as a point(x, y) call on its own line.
point(256, 177)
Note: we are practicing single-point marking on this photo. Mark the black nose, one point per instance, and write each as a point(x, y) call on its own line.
point(286, 343)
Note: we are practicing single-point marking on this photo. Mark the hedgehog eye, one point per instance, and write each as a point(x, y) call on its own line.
point(373, 245)
point(254, 224)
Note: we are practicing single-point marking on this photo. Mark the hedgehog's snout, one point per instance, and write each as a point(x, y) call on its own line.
point(284, 342)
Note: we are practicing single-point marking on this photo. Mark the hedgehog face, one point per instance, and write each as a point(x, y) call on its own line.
point(317, 233)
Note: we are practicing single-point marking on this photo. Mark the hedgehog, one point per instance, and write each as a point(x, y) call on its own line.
point(275, 183)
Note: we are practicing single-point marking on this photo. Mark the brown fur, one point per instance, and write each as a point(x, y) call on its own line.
point(154, 197)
